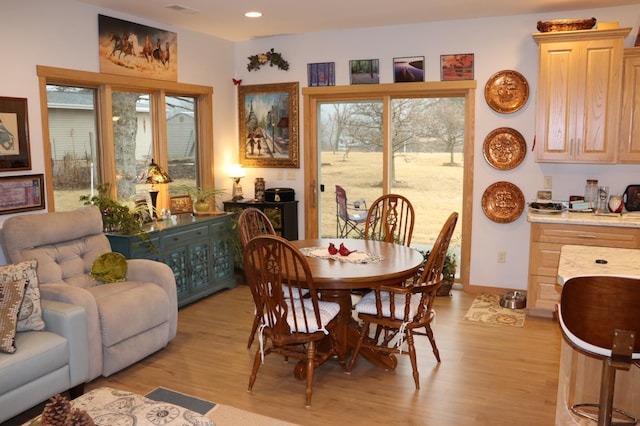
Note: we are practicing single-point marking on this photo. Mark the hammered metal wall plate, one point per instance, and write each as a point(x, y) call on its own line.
point(506, 91)
point(503, 202)
point(504, 148)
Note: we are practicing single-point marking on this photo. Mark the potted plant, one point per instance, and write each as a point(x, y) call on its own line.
point(448, 272)
point(117, 217)
point(202, 198)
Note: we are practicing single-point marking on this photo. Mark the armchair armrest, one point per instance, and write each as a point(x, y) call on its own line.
point(148, 270)
point(70, 321)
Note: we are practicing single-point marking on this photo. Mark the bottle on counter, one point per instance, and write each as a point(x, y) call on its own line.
point(591, 193)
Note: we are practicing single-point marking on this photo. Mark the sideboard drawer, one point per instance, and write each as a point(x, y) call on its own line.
point(185, 236)
point(604, 236)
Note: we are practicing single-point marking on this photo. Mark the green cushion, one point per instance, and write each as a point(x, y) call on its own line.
point(109, 268)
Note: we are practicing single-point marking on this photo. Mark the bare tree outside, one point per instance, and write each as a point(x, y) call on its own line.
point(125, 127)
point(426, 164)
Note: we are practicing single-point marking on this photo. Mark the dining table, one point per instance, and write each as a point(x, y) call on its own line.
point(371, 264)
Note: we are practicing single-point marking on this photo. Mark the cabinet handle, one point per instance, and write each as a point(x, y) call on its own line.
point(587, 236)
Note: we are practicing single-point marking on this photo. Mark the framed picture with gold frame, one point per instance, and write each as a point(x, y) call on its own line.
point(268, 117)
point(181, 204)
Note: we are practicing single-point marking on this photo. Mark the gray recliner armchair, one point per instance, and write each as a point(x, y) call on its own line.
point(126, 321)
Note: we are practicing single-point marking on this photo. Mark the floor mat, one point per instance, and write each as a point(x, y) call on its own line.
point(200, 406)
point(486, 309)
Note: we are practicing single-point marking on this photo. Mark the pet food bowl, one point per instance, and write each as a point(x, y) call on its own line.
point(514, 300)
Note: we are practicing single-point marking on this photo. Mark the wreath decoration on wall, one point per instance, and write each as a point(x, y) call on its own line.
point(271, 57)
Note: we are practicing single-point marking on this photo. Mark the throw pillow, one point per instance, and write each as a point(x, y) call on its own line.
point(109, 268)
point(11, 294)
point(30, 316)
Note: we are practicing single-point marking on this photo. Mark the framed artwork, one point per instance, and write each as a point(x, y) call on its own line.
point(181, 204)
point(408, 69)
point(21, 193)
point(14, 135)
point(364, 71)
point(127, 48)
point(456, 67)
point(268, 117)
point(322, 74)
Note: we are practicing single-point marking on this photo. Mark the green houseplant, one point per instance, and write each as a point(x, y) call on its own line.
point(117, 217)
point(448, 271)
point(202, 198)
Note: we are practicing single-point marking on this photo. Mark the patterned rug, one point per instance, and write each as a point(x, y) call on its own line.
point(221, 415)
point(486, 309)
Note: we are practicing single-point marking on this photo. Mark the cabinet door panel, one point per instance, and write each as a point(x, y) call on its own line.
point(594, 105)
point(630, 123)
point(559, 91)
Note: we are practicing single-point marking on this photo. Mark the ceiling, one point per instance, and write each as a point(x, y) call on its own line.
point(225, 18)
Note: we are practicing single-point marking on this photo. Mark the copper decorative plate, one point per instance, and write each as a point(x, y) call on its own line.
point(506, 91)
point(504, 148)
point(503, 202)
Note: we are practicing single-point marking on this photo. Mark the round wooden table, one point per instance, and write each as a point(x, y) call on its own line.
point(335, 280)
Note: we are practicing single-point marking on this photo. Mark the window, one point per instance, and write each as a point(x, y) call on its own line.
point(416, 140)
point(106, 129)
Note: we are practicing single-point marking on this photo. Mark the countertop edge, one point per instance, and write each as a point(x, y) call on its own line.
point(571, 218)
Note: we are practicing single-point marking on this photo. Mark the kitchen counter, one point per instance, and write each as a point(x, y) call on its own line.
point(579, 375)
point(580, 261)
point(622, 220)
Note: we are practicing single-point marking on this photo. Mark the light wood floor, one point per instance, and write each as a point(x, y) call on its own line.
point(489, 375)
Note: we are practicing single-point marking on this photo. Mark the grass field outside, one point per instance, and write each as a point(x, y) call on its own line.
point(433, 186)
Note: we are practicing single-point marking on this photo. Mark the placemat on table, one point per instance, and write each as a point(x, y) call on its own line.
point(355, 257)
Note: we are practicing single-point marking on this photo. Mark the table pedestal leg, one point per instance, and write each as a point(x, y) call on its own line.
point(348, 331)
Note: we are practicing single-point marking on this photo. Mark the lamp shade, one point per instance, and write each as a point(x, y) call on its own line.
point(236, 171)
point(155, 174)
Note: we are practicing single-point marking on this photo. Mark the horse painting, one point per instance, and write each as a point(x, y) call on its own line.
point(147, 50)
point(121, 44)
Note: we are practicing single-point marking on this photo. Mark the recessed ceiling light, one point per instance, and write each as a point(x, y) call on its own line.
point(253, 14)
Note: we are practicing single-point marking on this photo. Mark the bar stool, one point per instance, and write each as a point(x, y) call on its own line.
point(600, 317)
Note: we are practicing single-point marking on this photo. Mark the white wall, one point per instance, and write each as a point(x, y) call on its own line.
point(64, 34)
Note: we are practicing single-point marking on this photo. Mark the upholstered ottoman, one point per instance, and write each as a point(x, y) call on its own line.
point(112, 407)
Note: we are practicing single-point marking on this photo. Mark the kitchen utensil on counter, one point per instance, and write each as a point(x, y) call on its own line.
point(632, 198)
point(603, 198)
point(615, 203)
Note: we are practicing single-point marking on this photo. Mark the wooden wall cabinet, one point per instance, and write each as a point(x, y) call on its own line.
point(630, 122)
point(282, 214)
point(543, 293)
point(579, 95)
point(198, 249)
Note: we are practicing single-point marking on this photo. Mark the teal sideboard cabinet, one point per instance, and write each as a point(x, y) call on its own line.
point(199, 250)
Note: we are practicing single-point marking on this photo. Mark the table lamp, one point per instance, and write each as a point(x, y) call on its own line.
point(236, 173)
point(155, 175)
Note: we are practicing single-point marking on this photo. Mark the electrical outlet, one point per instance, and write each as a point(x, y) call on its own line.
point(502, 256)
point(291, 175)
point(548, 182)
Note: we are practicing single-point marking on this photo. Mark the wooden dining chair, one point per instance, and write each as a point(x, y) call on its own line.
point(292, 325)
point(391, 219)
point(402, 312)
point(251, 223)
point(599, 316)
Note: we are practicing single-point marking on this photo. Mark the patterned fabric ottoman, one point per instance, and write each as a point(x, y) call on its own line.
point(112, 407)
